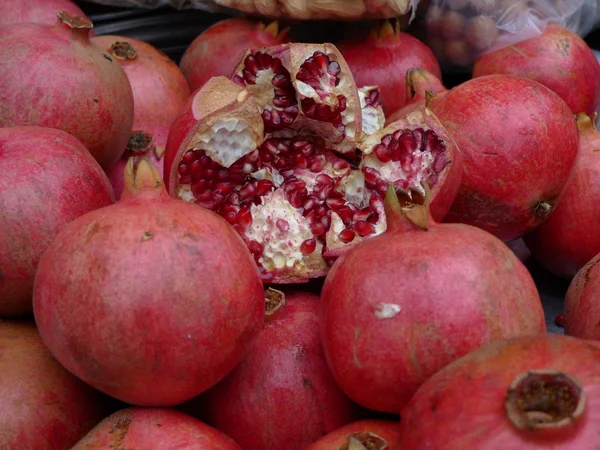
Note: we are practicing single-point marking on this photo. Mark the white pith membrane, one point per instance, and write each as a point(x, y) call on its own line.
point(373, 118)
point(306, 88)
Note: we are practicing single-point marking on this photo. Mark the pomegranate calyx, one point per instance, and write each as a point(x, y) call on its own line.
point(273, 30)
point(141, 176)
point(385, 29)
point(586, 123)
point(139, 142)
point(74, 22)
point(544, 399)
point(274, 300)
point(420, 81)
point(123, 50)
point(406, 209)
point(542, 209)
point(364, 441)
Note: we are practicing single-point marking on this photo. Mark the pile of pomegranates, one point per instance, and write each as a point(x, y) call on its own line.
point(284, 244)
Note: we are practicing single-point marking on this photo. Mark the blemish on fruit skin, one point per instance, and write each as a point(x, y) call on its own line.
point(355, 359)
point(107, 57)
point(147, 236)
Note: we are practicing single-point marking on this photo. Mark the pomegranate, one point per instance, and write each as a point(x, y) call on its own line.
point(420, 85)
point(282, 395)
point(218, 49)
point(48, 179)
point(569, 238)
point(167, 429)
point(37, 11)
point(147, 140)
point(401, 306)
point(558, 58)
point(582, 312)
point(131, 298)
point(361, 435)
point(527, 393)
point(307, 88)
point(383, 60)
point(159, 87)
point(69, 84)
point(293, 200)
point(519, 140)
point(43, 405)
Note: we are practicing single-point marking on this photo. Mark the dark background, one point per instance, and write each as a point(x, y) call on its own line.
point(172, 31)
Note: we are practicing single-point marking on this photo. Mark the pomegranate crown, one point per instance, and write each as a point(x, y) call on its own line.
point(408, 207)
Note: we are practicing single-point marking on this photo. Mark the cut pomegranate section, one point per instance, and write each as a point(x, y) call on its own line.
point(373, 118)
point(304, 87)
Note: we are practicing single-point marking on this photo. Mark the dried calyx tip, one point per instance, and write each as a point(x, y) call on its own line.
point(412, 204)
point(544, 399)
point(123, 50)
point(141, 173)
point(585, 122)
point(364, 441)
point(274, 300)
point(139, 141)
point(74, 22)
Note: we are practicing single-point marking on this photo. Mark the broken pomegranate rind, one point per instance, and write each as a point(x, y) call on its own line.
point(307, 88)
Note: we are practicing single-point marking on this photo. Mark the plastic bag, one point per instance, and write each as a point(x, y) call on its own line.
point(458, 31)
point(294, 9)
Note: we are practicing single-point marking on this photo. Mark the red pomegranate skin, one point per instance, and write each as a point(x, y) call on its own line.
point(570, 237)
point(558, 58)
point(399, 307)
point(43, 405)
point(154, 153)
point(151, 300)
point(582, 303)
point(383, 59)
point(48, 180)
point(159, 87)
point(218, 50)
point(160, 428)
point(385, 429)
point(282, 394)
point(37, 11)
point(464, 402)
point(52, 76)
point(519, 141)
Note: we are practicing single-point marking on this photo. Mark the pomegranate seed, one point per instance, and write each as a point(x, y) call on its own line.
point(308, 247)
point(244, 217)
point(317, 229)
point(383, 154)
point(373, 218)
point(251, 65)
point(324, 179)
point(440, 162)
point(239, 80)
point(281, 81)
point(325, 192)
point(309, 203)
point(432, 180)
point(231, 217)
point(282, 102)
point(326, 221)
point(317, 166)
point(347, 235)
point(255, 247)
point(188, 157)
point(185, 179)
point(346, 214)
point(265, 276)
point(287, 118)
point(559, 320)
point(247, 191)
point(341, 164)
point(283, 225)
point(341, 103)
point(335, 203)
point(362, 214)
point(249, 77)
point(263, 187)
point(295, 198)
point(182, 169)
point(364, 228)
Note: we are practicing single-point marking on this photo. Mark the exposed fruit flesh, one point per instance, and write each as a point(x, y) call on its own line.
point(371, 106)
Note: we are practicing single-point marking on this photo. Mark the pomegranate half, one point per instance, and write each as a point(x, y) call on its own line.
point(529, 393)
point(520, 142)
point(151, 300)
point(282, 395)
point(52, 76)
point(48, 180)
point(399, 307)
point(160, 428)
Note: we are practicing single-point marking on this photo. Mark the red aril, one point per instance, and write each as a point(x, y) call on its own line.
point(160, 428)
point(37, 11)
point(147, 140)
point(43, 405)
point(159, 87)
point(401, 306)
point(218, 49)
point(282, 395)
point(420, 84)
point(52, 76)
point(529, 393)
point(48, 180)
point(558, 58)
point(383, 59)
point(519, 140)
point(131, 298)
point(370, 434)
point(571, 236)
point(582, 303)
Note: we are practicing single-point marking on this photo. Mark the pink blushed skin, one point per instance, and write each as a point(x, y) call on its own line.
point(37, 11)
point(282, 382)
point(159, 87)
point(145, 428)
point(44, 406)
point(53, 76)
point(143, 313)
point(384, 429)
point(48, 180)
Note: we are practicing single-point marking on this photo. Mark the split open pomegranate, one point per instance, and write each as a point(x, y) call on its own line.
point(292, 186)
